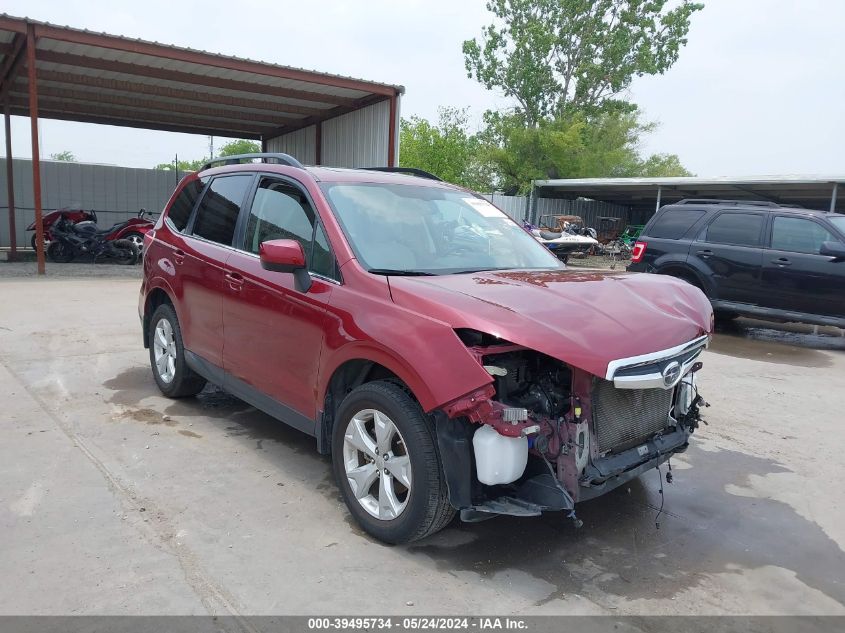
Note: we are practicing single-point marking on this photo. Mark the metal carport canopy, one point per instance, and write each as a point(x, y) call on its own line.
point(58, 72)
point(812, 192)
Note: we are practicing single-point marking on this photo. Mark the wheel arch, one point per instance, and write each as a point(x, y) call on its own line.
point(683, 271)
point(155, 297)
point(356, 369)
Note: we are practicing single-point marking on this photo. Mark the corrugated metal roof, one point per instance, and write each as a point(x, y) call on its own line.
point(812, 192)
point(102, 78)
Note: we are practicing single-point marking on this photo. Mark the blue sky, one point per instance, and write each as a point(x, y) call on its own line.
point(758, 90)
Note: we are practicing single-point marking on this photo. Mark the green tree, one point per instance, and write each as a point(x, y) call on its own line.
point(66, 156)
point(446, 149)
point(550, 55)
point(575, 145)
point(240, 146)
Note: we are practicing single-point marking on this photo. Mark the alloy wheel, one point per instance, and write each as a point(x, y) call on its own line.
point(377, 464)
point(164, 348)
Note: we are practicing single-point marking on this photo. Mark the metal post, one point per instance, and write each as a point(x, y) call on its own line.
point(318, 143)
point(833, 197)
point(391, 134)
point(10, 186)
point(659, 192)
point(36, 158)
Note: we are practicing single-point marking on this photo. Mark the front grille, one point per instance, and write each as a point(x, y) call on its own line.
point(625, 417)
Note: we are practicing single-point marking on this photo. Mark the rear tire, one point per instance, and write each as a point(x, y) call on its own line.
point(167, 356)
point(137, 239)
point(394, 506)
point(128, 252)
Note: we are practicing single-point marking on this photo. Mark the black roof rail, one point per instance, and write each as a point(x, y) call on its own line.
point(754, 203)
point(281, 159)
point(411, 171)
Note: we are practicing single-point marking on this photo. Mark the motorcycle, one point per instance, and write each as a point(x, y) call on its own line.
point(71, 240)
point(568, 241)
point(133, 229)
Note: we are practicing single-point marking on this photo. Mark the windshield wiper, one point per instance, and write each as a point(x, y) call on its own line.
point(404, 273)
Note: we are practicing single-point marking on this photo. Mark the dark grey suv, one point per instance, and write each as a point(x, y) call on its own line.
point(751, 258)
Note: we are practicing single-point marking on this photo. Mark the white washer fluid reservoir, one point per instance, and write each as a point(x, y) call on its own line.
point(498, 459)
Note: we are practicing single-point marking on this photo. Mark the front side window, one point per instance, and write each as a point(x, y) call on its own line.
point(741, 229)
point(799, 235)
point(415, 229)
point(180, 210)
point(219, 208)
point(282, 212)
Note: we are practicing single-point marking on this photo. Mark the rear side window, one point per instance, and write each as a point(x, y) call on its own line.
point(741, 229)
point(674, 223)
point(180, 210)
point(219, 208)
point(798, 235)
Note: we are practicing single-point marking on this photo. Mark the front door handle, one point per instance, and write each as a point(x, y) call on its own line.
point(236, 280)
point(705, 253)
point(179, 256)
point(782, 261)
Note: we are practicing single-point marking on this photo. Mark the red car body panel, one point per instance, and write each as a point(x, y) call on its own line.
point(585, 319)
point(288, 344)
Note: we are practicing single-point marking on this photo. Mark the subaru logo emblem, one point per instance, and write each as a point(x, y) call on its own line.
point(671, 374)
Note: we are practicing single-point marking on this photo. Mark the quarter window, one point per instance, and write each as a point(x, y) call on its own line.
point(180, 210)
point(742, 229)
point(798, 235)
point(674, 223)
point(219, 208)
point(282, 212)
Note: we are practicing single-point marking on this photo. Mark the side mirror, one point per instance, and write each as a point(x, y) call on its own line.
point(285, 256)
point(833, 249)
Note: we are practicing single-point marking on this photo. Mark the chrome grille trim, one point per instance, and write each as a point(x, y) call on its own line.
point(685, 355)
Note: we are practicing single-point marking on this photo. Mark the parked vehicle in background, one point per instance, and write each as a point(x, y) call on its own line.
point(71, 240)
point(132, 229)
point(444, 358)
point(756, 259)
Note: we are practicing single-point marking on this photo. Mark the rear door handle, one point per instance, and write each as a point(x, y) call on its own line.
point(178, 256)
point(782, 261)
point(705, 253)
point(236, 280)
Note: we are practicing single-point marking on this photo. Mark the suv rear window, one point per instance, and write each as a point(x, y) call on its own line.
point(180, 210)
point(742, 229)
point(219, 208)
point(674, 223)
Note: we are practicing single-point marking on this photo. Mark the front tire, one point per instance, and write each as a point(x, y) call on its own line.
point(60, 252)
point(167, 356)
point(137, 239)
point(387, 465)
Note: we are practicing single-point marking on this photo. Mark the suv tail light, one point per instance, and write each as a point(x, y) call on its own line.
point(638, 252)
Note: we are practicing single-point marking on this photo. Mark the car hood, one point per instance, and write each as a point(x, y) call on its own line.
point(585, 319)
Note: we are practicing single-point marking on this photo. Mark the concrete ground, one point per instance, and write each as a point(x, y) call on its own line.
point(116, 500)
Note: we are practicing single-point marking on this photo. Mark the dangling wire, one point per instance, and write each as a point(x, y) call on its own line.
point(662, 499)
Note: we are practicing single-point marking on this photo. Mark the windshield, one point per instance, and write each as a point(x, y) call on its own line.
point(396, 229)
point(839, 223)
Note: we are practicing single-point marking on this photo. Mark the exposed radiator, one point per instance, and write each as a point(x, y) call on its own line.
point(625, 417)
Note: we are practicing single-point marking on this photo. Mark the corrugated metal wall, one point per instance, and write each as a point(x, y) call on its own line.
point(300, 144)
point(590, 210)
point(357, 139)
point(115, 193)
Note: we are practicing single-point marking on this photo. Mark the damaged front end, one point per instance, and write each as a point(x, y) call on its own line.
point(557, 434)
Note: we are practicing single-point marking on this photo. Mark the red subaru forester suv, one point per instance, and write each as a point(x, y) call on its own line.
point(446, 359)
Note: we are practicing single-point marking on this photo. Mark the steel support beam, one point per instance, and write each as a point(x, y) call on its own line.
point(36, 158)
point(833, 197)
point(659, 194)
point(84, 98)
point(318, 143)
point(11, 65)
point(10, 185)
